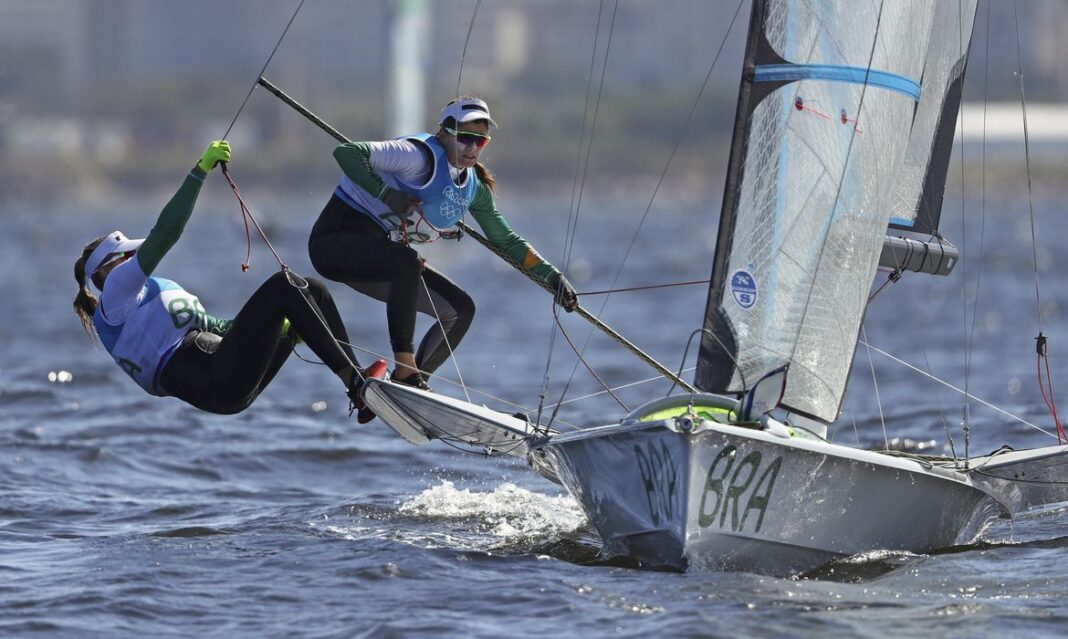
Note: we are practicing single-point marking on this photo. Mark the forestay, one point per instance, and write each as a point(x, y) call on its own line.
point(829, 95)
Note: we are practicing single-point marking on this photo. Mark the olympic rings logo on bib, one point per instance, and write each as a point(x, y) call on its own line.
point(447, 210)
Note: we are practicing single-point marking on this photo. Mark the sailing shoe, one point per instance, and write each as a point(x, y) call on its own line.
point(364, 413)
point(415, 380)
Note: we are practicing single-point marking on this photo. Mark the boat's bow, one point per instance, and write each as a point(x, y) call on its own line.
point(684, 489)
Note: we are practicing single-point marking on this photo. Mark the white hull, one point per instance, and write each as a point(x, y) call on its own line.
point(420, 416)
point(669, 494)
point(1029, 480)
point(730, 498)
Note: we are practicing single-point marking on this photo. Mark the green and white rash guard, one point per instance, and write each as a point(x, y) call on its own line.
point(371, 169)
point(141, 320)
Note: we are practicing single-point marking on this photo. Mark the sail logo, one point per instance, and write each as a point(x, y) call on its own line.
point(744, 289)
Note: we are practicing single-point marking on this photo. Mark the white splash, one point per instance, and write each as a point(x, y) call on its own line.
point(508, 512)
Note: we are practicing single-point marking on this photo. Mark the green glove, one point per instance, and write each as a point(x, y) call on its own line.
point(217, 151)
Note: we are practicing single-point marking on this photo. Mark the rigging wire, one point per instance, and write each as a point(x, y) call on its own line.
point(875, 384)
point(648, 287)
point(1041, 343)
point(959, 390)
point(686, 353)
point(965, 416)
point(467, 41)
point(1027, 164)
point(572, 216)
point(647, 380)
point(581, 191)
point(292, 277)
point(556, 314)
point(445, 338)
point(403, 228)
point(260, 74)
point(439, 378)
point(970, 339)
point(941, 411)
point(682, 133)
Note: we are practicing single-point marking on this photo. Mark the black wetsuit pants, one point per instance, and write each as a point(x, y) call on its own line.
point(245, 361)
point(348, 247)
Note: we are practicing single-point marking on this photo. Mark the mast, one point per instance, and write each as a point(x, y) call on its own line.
point(718, 349)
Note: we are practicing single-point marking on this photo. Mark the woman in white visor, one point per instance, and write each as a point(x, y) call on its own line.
point(162, 337)
point(399, 193)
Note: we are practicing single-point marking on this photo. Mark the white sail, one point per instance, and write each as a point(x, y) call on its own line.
point(917, 204)
point(829, 94)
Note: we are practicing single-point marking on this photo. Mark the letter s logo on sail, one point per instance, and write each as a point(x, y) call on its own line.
point(744, 289)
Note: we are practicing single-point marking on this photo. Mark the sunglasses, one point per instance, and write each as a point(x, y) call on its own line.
point(115, 257)
point(470, 138)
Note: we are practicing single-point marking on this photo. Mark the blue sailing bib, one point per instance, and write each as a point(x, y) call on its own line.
point(444, 201)
point(143, 342)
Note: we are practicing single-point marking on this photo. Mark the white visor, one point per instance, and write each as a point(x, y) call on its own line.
point(114, 244)
point(467, 110)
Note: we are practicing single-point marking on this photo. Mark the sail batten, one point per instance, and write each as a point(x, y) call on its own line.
point(855, 75)
point(829, 101)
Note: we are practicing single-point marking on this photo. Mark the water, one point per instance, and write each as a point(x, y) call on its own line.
point(126, 515)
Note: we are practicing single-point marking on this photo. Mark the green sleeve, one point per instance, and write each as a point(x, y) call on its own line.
point(484, 210)
point(171, 222)
point(355, 160)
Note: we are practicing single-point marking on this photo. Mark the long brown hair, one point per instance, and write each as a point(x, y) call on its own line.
point(84, 302)
point(481, 171)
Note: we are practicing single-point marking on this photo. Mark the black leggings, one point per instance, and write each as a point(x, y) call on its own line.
point(229, 379)
point(347, 246)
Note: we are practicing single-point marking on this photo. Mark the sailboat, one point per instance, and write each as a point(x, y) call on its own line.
point(843, 132)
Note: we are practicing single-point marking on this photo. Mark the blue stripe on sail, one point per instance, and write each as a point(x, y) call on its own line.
point(835, 73)
point(900, 221)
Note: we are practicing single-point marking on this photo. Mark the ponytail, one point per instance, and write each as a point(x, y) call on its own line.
point(485, 176)
point(84, 302)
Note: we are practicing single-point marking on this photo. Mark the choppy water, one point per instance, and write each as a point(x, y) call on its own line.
point(125, 515)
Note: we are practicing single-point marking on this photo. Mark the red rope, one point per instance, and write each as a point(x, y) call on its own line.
point(246, 216)
point(1050, 400)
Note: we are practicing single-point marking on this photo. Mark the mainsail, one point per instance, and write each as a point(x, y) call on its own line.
point(830, 99)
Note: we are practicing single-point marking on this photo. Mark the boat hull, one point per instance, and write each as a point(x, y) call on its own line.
point(730, 498)
point(1030, 480)
point(420, 416)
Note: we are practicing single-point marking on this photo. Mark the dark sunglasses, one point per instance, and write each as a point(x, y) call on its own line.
point(470, 138)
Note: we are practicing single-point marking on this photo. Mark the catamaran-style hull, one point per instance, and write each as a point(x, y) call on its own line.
point(730, 498)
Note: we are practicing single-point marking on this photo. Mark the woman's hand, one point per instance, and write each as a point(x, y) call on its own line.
point(400, 202)
point(217, 151)
point(565, 294)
